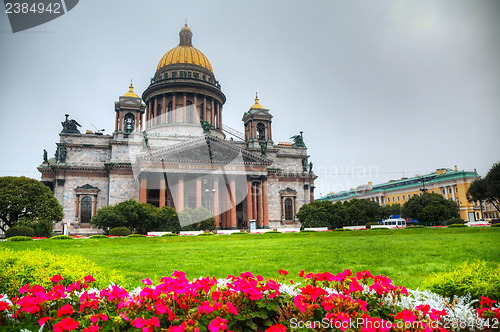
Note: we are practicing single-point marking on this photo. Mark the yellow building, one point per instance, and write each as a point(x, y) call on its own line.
point(451, 184)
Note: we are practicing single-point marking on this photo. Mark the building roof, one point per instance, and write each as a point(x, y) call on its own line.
point(404, 183)
point(185, 53)
point(131, 92)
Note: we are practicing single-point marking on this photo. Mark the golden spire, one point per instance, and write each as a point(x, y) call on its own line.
point(257, 105)
point(131, 92)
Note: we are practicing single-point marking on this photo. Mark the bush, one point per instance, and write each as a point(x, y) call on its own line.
point(20, 238)
point(308, 231)
point(168, 220)
point(273, 232)
point(42, 228)
point(199, 219)
point(36, 267)
point(414, 226)
point(205, 234)
point(240, 233)
point(98, 236)
point(381, 229)
point(342, 229)
point(457, 225)
point(61, 237)
point(370, 224)
point(20, 231)
point(170, 234)
point(476, 279)
point(495, 225)
point(455, 221)
point(136, 235)
point(119, 231)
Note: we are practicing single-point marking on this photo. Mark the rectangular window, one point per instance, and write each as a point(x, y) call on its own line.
point(449, 190)
point(398, 198)
point(174, 74)
point(196, 75)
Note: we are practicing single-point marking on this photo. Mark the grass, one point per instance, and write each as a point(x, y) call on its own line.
point(406, 256)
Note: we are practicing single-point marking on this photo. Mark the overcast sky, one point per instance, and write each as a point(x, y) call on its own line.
point(381, 89)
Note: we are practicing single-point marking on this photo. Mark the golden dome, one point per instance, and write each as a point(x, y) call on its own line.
point(257, 105)
point(131, 92)
point(185, 53)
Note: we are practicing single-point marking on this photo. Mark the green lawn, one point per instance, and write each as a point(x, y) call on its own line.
point(406, 256)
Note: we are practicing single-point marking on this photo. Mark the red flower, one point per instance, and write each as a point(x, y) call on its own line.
point(42, 321)
point(218, 324)
point(301, 274)
point(57, 278)
point(66, 309)
point(4, 306)
point(406, 315)
point(277, 328)
point(283, 272)
point(67, 324)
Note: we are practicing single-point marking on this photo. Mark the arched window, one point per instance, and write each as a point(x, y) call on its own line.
point(86, 210)
point(169, 113)
point(129, 122)
point(288, 209)
point(261, 131)
point(189, 111)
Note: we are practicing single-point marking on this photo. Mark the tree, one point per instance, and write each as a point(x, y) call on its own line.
point(362, 211)
point(391, 210)
point(430, 208)
point(487, 188)
point(168, 220)
point(22, 198)
point(316, 214)
point(199, 219)
point(138, 217)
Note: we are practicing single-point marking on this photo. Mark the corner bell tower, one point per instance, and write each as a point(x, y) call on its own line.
point(129, 110)
point(257, 121)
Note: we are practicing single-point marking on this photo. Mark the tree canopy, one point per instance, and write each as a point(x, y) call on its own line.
point(339, 214)
point(430, 208)
point(138, 217)
point(26, 199)
point(487, 189)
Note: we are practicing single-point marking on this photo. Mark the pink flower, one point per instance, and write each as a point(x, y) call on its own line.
point(231, 308)
point(24, 289)
point(66, 309)
point(147, 281)
point(57, 278)
point(218, 324)
point(94, 318)
point(42, 320)
point(180, 328)
point(88, 278)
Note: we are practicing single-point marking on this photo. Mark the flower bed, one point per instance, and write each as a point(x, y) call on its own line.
point(320, 302)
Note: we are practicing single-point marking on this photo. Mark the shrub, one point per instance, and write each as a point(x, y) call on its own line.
point(495, 225)
point(381, 229)
point(414, 226)
point(273, 232)
point(61, 237)
point(240, 233)
point(455, 221)
point(98, 236)
point(36, 267)
point(42, 228)
point(168, 220)
point(170, 234)
point(476, 279)
point(199, 219)
point(136, 235)
point(457, 225)
point(119, 231)
point(370, 224)
point(205, 234)
point(308, 231)
point(20, 231)
point(342, 229)
point(20, 238)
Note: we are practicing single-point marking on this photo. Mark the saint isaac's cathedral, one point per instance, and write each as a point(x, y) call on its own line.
point(170, 147)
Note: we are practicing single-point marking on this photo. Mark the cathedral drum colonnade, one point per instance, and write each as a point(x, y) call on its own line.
point(169, 148)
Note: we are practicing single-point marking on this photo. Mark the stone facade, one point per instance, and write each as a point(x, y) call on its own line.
point(170, 147)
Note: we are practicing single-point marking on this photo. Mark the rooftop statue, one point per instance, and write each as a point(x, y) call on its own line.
point(70, 126)
point(298, 141)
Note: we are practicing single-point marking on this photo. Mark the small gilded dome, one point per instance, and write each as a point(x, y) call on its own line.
point(131, 92)
point(185, 52)
point(257, 105)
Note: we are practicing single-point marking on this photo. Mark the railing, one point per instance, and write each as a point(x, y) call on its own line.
point(233, 132)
